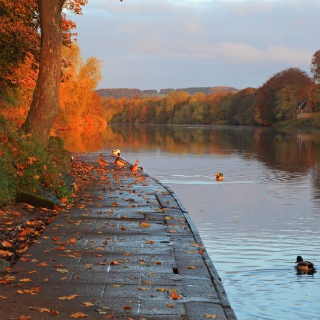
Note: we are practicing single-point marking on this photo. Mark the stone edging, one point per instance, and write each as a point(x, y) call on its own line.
point(216, 280)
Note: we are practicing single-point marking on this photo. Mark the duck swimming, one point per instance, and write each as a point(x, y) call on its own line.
point(219, 176)
point(304, 266)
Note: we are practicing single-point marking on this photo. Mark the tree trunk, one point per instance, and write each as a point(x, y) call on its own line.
point(45, 105)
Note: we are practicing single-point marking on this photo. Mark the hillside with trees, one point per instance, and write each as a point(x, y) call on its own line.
point(134, 93)
point(276, 102)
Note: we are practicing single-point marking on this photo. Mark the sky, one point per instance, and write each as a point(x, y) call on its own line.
point(155, 44)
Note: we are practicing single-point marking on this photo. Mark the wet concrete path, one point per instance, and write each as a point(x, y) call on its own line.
point(127, 249)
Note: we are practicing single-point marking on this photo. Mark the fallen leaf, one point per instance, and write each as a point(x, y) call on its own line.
point(170, 306)
point(72, 296)
point(87, 304)
point(127, 307)
point(6, 244)
point(211, 316)
point(78, 315)
point(144, 224)
point(5, 253)
point(63, 270)
point(40, 309)
point(144, 289)
point(21, 318)
point(123, 228)
point(64, 200)
point(42, 264)
point(31, 291)
point(192, 267)
point(73, 240)
point(25, 232)
point(54, 313)
point(114, 204)
point(25, 280)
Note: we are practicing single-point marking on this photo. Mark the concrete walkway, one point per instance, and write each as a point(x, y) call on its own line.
point(127, 249)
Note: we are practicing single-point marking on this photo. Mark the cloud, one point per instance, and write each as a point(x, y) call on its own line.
point(215, 36)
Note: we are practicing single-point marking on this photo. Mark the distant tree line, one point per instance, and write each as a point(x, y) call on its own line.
point(134, 93)
point(275, 101)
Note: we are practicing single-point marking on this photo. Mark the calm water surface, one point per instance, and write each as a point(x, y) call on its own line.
point(255, 222)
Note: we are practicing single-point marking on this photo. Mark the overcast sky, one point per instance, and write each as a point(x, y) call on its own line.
point(154, 44)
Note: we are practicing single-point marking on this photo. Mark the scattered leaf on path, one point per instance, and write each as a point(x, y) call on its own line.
point(79, 315)
point(72, 296)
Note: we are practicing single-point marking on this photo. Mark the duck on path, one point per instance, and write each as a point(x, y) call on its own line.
point(116, 152)
point(102, 163)
point(119, 162)
point(134, 168)
point(304, 266)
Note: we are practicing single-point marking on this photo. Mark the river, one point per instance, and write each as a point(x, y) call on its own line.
point(256, 221)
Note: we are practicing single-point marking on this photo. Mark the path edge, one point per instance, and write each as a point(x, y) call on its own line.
point(215, 278)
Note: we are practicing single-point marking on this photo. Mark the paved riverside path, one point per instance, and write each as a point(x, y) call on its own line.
point(127, 249)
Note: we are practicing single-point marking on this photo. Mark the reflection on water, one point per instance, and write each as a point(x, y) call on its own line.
point(255, 222)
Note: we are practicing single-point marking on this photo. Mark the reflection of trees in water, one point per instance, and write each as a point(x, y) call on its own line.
point(288, 151)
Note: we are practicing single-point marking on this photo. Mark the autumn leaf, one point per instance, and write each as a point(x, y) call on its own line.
point(123, 228)
point(78, 315)
point(64, 200)
point(54, 313)
point(73, 240)
point(31, 291)
point(114, 204)
point(21, 318)
point(6, 244)
point(211, 316)
point(192, 267)
point(72, 296)
point(87, 304)
point(25, 280)
point(40, 309)
point(144, 224)
point(25, 232)
point(42, 264)
point(63, 270)
point(5, 253)
point(170, 305)
point(144, 289)
point(127, 308)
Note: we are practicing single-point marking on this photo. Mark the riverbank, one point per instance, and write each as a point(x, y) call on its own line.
point(126, 249)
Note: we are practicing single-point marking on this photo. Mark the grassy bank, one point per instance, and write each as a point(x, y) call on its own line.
point(27, 166)
point(313, 122)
